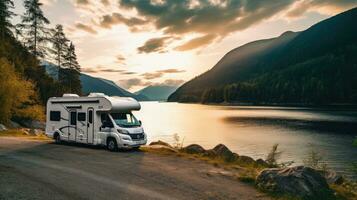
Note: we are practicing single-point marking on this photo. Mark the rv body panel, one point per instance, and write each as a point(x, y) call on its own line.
point(79, 119)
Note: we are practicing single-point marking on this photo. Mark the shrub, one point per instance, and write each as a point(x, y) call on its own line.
point(273, 156)
point(16, 94)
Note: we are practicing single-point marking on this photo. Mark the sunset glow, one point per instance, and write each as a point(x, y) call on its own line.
point(127, 41)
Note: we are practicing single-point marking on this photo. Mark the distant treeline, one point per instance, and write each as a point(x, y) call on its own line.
point(25, 86)
point(323, 80)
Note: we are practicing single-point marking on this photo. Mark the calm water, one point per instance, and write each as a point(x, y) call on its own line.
point(252, 131)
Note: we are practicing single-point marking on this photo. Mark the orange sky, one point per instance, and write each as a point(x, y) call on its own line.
point(137, 43)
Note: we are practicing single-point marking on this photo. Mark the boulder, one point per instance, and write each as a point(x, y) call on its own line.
point(210, 153)
point(15, 124)
point(246, 160)
point(262, 162)
point(36, 132)
point(302, 182)
point(2, 127)
point(221, 151)
point(194, 149)
point(33, 124)
point(159, 142)
point(332, 177)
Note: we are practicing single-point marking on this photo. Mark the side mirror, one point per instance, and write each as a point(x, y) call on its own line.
point(140, 122)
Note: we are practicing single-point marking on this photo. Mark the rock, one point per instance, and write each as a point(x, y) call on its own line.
point(302, 182)
point(2, 127)
point(262, 162)
point(159, 142)
point(221, 151)
point(15, 124)
point(194, 149)
point(246, 160)
point(332, 177)
point(36, 132)
point(210, 153)
point(33, 124)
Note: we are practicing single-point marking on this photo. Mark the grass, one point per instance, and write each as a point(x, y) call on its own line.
point(20, 133)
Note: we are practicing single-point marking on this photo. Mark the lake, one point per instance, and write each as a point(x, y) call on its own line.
point(253, 130)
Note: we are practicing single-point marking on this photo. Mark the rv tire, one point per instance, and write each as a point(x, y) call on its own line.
point(112, 144)
point(57, 138)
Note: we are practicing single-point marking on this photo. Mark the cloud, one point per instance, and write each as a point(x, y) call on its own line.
point(197, 42)
point(100, 69)
point(302, 6)
point(82, 2)
point(129, 83)
point(105, 2)
point(214, 18)
point(172, 82)
point(107, 21)
point(153, 45)
point(160, 73)
point(86, 28)
point(136, 82)
point(169, 71)
point(120, 59)
point(152, 75)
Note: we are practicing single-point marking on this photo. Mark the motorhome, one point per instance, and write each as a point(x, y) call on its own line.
point(96, 119)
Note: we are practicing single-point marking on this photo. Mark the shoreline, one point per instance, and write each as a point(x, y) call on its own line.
point(276, 105)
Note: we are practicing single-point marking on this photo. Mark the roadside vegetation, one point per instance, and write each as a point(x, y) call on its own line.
point(246, 169)
point(24, 133)
point(25, 85)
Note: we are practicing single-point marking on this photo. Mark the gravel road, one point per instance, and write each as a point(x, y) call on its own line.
point(42, 170)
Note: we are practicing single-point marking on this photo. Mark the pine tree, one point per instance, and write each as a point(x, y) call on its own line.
point(59, 45)
point(72, 70)
point(34, 28)
point(5, 15)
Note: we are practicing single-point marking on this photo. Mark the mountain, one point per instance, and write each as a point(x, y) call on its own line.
point(94, 84)
point(315, 66)
point(157, 92)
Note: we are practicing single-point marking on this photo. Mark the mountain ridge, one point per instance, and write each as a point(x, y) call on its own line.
point(261, 67)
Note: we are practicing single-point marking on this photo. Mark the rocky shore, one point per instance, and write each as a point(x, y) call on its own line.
point(296, 182)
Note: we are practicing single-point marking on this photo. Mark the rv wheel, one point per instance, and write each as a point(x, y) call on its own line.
point(112, 144)
point(57, 138)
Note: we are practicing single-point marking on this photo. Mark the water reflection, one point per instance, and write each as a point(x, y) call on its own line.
point(253, 130)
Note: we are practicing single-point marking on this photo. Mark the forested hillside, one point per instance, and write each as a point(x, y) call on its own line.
point(25, 85)
point(316, 66)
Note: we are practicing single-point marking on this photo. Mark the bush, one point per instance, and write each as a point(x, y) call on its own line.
point(16, 94)
point(315, 160)
point(273, 156)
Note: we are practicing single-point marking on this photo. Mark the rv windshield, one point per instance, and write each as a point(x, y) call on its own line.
point(125, 120)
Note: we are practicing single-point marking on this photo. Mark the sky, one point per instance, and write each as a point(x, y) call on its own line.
point(137, 43)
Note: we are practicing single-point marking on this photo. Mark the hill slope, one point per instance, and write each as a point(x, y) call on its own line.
point(94, 84)
point(157, 92)
point(314, 66)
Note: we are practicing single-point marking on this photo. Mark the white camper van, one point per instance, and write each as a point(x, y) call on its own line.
point(96, 119)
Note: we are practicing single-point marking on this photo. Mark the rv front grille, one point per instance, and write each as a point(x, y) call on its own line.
point(139, 136)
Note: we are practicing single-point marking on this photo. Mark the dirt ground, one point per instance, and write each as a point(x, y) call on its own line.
point(32, 169)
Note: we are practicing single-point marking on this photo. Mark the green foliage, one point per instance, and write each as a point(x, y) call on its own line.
point(33, 28)
point(16, 95)
point(315, 160)
point(5, 15)
point(178, 143)
point(273, 156)
point(355, 142)
point(59, 45)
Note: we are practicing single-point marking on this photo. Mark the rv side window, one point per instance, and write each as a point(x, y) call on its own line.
point(55, 115)
point(73, 118)
point(90, 116)
point(81, 116)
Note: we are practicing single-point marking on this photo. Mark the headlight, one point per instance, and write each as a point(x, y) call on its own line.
point(122, 131)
